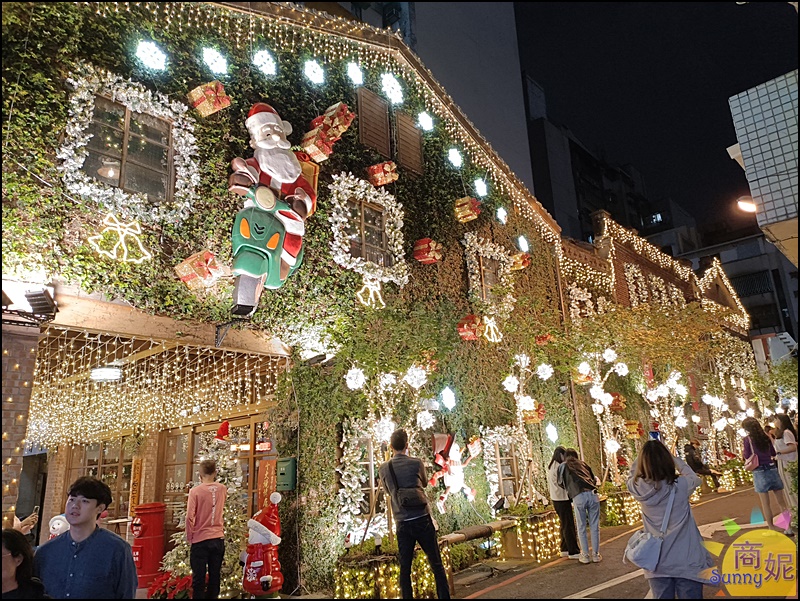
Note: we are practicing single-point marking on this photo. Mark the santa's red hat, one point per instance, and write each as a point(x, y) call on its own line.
point(266, 522)
point(223, 431)
point(261, 113)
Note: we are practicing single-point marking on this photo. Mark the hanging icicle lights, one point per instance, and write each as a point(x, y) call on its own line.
point(336, 40)
point(163, 385)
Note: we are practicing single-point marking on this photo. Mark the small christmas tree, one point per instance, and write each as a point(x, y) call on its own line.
point(229, 473)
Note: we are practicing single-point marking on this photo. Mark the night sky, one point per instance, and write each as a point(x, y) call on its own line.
point(648, 84)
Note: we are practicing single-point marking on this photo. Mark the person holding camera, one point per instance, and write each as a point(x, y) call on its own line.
point(403, 478)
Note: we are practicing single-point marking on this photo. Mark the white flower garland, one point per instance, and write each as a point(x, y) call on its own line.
point(351, 474)
point(90, 82)
point(345, 187)
point(475, 247)
point(659, 289)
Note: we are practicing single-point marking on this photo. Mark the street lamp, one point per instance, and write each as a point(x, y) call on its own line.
point(746, 204)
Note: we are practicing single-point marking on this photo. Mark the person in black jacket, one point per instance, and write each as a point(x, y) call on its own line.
point(581, 484)
point(18, 579)
point(414, 523)
point(695, 461)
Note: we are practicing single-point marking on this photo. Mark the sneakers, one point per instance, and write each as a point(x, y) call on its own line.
point(583, 558)
point(722, 489)
point(597, 558)
point(575, 556)
point(564, 554)
point(789, 532)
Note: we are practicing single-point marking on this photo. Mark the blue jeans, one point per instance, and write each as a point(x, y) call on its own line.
point(420, 531)
point(675, 588)
point(587, 510)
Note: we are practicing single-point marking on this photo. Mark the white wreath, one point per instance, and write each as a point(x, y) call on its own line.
point(90, 82)
point(475, 247)
point(345, 187)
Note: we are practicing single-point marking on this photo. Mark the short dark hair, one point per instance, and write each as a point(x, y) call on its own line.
point(571, 453)
point(399, 440)
point(15, 543)
point(91, 488)
point(208, 467)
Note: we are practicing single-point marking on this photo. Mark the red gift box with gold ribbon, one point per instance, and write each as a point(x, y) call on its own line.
point(467, 209)
point(209, 98)
point(200, 270)
point(470, 328)
point(382, 173)
point(427, 251)
point(520, 261)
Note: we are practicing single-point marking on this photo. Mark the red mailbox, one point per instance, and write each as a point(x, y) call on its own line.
point(148, 541)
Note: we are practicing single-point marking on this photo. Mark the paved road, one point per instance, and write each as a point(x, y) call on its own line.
point(610, 579)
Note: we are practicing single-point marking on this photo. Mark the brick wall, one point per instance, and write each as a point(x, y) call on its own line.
point(150, 469)
point(56, 489)
point(19, 361)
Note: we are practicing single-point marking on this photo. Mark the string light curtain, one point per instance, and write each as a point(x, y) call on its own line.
point(163, 385)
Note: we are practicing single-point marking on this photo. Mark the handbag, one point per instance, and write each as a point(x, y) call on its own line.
point(410, 498)
point(751, 463)
point(643, 549)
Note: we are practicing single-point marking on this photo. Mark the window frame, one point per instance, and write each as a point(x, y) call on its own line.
point(388, 259)
point(127, 134)
point(83, 469)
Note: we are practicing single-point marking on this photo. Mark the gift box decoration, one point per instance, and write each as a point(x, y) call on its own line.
point(619, 403)
point(201, 270)
point(543, 339)
point(474, 446)
point(427, 251)
point(327, 129)
point(534, 417)
point(634, 429)
point(470, 328)
point(520, 261)
point(209, 98)
point(382, 173)
point(467, 209)
point(310, 169)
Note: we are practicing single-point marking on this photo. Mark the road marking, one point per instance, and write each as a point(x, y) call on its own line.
point(614, 582)
point(610, 583)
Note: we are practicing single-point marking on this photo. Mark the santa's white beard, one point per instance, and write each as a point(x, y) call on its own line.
point(281, 165)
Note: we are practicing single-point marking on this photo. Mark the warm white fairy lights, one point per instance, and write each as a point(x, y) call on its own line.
point(314, 72)
point(161, 381)
point(265, 63)
point(216, 63)
point(425, 121)
point(355, 73)
point(118, 239)
point(391, 87)
point(151, 56)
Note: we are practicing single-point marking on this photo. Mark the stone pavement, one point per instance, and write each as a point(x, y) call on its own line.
point(611, 579)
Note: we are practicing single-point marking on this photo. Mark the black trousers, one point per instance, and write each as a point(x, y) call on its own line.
point(206, 555)
point(569, 537)
point(423, 532)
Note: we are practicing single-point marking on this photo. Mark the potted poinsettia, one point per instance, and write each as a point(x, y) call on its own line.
point(168, 586)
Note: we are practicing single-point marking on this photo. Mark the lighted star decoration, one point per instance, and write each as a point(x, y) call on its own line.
point(124, 231)
point(370, 294)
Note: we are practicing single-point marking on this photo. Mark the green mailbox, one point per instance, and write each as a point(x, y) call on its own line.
point(287, 473)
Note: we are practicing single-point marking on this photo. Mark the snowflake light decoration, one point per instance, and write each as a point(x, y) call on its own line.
point(264, 62)
point(355, 378)
point(391, 87)
point(416, 377)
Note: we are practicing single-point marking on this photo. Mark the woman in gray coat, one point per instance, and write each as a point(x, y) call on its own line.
point(684, 564)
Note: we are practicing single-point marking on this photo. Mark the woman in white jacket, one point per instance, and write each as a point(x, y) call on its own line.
point(563, 507)
point(684, 563)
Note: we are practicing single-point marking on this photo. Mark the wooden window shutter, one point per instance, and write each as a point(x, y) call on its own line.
point(373, 122)
point(409, 144)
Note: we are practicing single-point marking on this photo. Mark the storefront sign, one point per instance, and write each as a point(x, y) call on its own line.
point(267, 479)
point(136, 485)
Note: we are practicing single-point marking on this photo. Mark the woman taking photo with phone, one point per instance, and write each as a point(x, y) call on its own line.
point(659, 488)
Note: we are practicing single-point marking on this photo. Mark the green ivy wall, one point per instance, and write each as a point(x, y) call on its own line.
point(45, 229)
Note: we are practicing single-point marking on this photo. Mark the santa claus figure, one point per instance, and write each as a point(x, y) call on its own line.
point(453, 471)
point(262, 571)
point(268, 233)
